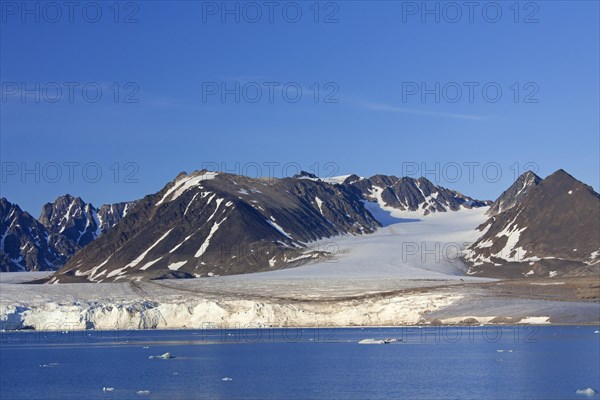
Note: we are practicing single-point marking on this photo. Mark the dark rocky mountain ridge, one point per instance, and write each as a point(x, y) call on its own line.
point(64, 227)
point(80, 222)
point(515, 193)
point(409, 194)
point(25, 244)
point(206, 223)
point(552, 229)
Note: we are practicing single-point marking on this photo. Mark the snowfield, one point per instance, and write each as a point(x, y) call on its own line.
point(409, 246)
point(408, 272)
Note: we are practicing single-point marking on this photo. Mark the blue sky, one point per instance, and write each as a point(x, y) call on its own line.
point(367, 61)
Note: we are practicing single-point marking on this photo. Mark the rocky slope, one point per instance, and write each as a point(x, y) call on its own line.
point(26, 245)
point(198, 225)
point(64, 227)
point(409, 194)
point(552, 230)
point(207, 224)
point(78, 221)
point(515, 193)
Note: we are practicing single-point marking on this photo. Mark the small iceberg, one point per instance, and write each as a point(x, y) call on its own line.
point(108, 389)
point(378, 341)
point(371, 341)
point(504, 351)
point(596, 332)
point(165, 356)
point(587, 392)
point(49, 365)
point(143, 392)
point(227, 379)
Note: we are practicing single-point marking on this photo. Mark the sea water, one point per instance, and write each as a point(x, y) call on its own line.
point(510, 362)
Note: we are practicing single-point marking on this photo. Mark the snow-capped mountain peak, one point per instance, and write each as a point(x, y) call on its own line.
point(409, 194)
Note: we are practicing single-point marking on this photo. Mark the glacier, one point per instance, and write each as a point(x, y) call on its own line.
point(403, 274)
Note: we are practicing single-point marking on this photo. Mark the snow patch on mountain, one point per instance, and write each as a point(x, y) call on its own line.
point(175, 266)
point(184, 184)
point(206, 243)
point(336, 179)
point(279, 228)
point(145, 253)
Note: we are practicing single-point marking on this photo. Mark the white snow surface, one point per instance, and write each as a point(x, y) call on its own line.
point(185, 183)
point(22, 277)
point(176, 265)
point(279, 228)
point(406, 247)
point(535, 320)
point(319, 204)
point(145, 253)
point(206, 243)
point(335, 179)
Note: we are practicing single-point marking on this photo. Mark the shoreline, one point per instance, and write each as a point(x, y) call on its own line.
point(272, 304)
point(245, 315)
point(235, 334)
point(315, 327)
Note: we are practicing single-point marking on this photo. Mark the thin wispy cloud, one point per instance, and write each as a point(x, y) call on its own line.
point(170, 102)
point(403, 110)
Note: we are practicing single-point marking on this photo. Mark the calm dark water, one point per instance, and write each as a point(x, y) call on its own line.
point(430, 363)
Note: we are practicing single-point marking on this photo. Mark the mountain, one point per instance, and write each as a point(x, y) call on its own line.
point(515, 193)
point(26, 245)
point(64, 227)
point(552, 229)
point(404, 194)
point(79, 221)
point(410, 194)
point(110, 214)
point(215, 223)
point(207, 224)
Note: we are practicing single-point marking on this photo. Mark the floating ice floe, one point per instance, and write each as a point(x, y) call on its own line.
point(587, 392)
point(370, 341)
point(596, 331)
point(165, 356)
point(108, 389)
point(49, 365)
point(227, 379)
point(504, 351)
point(143, 392)
point(378, 341)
